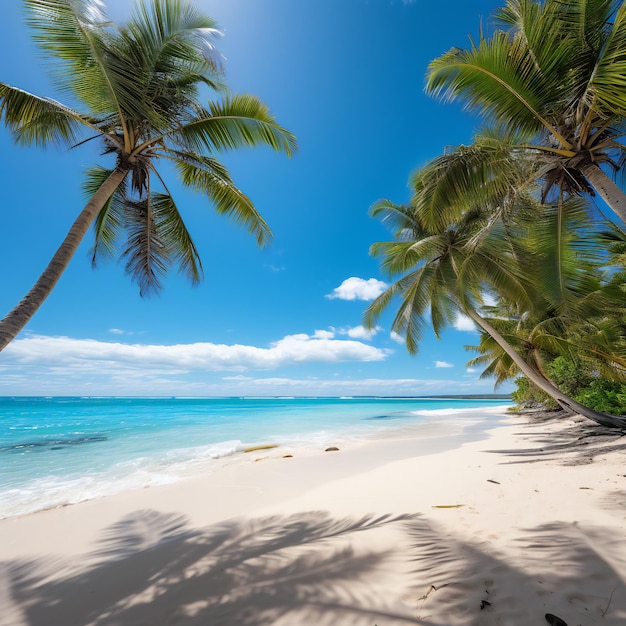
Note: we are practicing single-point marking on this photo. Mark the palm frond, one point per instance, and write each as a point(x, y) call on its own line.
point(145, 253)
point(77, 32)
point(411, 320)
point(40, 121)
point(174, 32)
point(467, 177)
point(158, 60)
point(157, 239)
point(566, 260)
point(402, 256)
point(236, 121)
point(175, 237)
point(401, 218)
point(208, 176)
point(376, 308)
point(609, 73)
point(110, 222)
point(497, 80)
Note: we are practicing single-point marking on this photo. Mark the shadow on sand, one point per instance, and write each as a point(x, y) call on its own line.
point(310, 569)
point(575, 444)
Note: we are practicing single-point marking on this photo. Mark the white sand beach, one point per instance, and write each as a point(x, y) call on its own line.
point(529, 521)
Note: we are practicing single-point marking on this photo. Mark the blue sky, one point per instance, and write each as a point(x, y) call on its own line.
point(347, 77)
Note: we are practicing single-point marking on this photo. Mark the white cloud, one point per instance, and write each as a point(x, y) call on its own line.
point(471, 370)
point(354, 288)
point(464, 323)
point(82, 355)
point(489, 300)
point(277, 385)
point(64, 366)
point(396, 337)
point(360, 332)
point(443, 364)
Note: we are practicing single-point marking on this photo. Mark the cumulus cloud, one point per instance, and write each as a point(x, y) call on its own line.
point(85, 354)
point(443, 364)
point(464, 323)
point(65, 366)
point(396, 337)
point(360, 332)
point(471, 370)
point(354, 288)
point(489, 300)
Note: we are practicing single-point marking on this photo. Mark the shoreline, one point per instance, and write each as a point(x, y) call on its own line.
point(181, 464)
point(525, 521)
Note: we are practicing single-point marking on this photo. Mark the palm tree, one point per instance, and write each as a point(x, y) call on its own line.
point(584, 324)
point(137, 91)
point(447, 271)
point(552, 81)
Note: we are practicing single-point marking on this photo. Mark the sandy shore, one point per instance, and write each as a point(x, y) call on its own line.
point(528, 521)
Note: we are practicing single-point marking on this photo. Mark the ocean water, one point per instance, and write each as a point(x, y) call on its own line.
point(58, 451)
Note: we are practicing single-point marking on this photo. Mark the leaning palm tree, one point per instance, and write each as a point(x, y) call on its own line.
point(135, 88)
point(446, 271)
point(551, 78)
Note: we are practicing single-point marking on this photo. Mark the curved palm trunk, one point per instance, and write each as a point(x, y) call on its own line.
point(11, 325)
point(565, 401)
point(607, 190)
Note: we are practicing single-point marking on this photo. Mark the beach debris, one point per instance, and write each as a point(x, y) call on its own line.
point(433, 588)
point(332, 449)
point(609, 603)
point(287, 456)
point(484, 604)
point(553, 620)
point(447, 506)
point(268, 446)
point(495, 482)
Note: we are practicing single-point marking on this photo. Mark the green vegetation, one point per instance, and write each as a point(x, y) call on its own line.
point(506, 221)
point(585, 386)
point(135, 88)
point(550, 81)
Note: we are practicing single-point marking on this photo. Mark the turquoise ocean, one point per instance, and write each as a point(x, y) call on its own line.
point(59, 451)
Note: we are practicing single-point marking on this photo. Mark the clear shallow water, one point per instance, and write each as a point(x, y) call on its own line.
point(56, 451)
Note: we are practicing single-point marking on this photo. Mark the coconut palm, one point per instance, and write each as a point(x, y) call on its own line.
point(589, 329)
point(552, 79)
point(446, 271)
point(135, 88)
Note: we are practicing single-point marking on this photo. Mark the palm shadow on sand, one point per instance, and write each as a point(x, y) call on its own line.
point(576, 444)
point(310, 569)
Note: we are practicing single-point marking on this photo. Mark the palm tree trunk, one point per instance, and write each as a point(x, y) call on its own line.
point(14, 321)
point(569, 404)
point(607, 190)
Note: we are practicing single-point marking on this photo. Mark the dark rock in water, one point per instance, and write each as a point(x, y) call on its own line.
point(52, 444)
point(553, 620)
point(332, 449)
